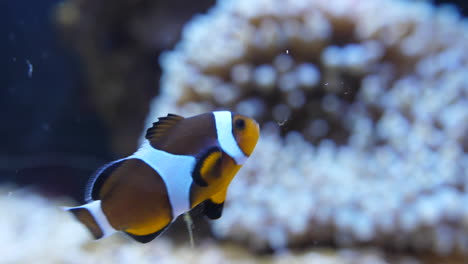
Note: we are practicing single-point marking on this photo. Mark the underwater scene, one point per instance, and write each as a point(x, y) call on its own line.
point(234, 131)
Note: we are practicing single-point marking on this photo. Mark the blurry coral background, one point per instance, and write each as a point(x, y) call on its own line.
point(364, 104)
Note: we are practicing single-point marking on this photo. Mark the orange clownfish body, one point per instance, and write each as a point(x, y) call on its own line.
point(182, 162)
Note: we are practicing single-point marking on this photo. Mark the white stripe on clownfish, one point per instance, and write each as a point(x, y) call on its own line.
point(226, 140)
point(94, 208)
point(176, 172)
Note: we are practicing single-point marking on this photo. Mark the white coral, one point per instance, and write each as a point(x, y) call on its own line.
point(394, 79)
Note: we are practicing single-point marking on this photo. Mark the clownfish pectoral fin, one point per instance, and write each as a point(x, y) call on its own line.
point(214, 206)
point(93, 218)
point(147, 238)
point(160, 128)
point(208, 167)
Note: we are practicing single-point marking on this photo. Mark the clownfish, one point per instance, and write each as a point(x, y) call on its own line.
point(182, 163)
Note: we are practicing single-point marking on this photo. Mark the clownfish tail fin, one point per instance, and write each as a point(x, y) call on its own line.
point(93, 218)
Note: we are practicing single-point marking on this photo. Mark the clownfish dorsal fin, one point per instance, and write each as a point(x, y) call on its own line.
point(162, 126)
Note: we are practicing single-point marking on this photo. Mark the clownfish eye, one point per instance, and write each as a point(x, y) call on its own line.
point(246, 132)
point(239, 124)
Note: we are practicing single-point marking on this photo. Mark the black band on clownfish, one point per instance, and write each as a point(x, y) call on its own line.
point(208, 165)
point(182, 163)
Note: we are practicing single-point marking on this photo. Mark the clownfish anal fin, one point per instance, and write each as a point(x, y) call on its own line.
point(213, 210)
point(147, 238)
point(161, 127)
point(208, 167)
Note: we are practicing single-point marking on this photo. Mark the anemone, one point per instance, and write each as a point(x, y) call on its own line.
point(364, 105)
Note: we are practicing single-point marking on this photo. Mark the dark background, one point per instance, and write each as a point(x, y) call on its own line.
point(45, 122)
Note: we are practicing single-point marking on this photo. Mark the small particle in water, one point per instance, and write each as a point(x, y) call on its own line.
point(281, 123)
point(30, 68)
point(14, 59)
point(347, 91)
point(287, 51)
point(326, 83)
point(281, 114)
